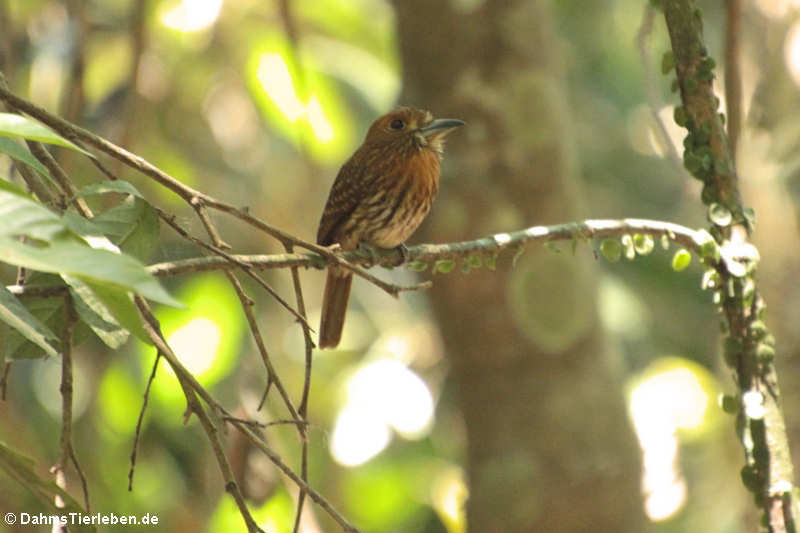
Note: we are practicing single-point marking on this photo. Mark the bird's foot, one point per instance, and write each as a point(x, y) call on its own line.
point(402, 249)
point(369, 253)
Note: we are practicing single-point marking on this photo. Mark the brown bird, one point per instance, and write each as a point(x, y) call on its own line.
point(380, 196)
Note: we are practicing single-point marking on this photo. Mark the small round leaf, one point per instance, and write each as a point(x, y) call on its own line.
point(611, 250)
point(681, 260)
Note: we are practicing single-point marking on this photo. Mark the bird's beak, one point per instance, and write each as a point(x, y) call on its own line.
point(440, 127)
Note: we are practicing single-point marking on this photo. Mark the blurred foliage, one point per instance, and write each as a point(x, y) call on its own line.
point(237, 108)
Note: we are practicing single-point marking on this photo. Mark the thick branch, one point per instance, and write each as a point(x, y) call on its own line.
point(695, 70)
point(493, 244)
point(749, 347)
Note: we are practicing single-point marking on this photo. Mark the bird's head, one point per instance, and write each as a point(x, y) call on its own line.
point(410, 128)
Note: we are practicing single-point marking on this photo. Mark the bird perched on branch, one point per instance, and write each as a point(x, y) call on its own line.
point(379, 198)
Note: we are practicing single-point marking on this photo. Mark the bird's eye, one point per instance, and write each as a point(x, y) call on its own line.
point(397, 124)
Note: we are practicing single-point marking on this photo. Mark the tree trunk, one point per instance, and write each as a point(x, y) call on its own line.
point(550, 448)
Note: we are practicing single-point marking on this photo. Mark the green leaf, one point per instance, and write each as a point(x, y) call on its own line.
point(95, 314)
point(120, 304)
point(627, 244)
point(15, 150)
point(88, 264)
point(24, 216)
point(23, 470)
point(48, 311)
point(681, 260)
point(643, 244)
point(119, 186)
point(444, 266)
point(13, 313)
point(551, 246)
point(12, 125)
point(719, 215)
point(611, 250)
point(417, 266)
point(133, 225)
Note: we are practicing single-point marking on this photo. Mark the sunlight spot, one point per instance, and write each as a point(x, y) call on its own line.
point(381, 396)
point(320, 125)
point(791, 52)
point(399, 348)
point(101, 243)
point(448, 495)
point(776, 8)
point(754, 404)
point(192, 15)
point(670, 497)
point(537, 231)
point(358, 435)
point(275, 79)
point(195, 344)
point(396, 393)
point(660, 405)
point(502, 238)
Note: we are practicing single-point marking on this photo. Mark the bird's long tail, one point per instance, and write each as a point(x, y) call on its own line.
point(334, 306)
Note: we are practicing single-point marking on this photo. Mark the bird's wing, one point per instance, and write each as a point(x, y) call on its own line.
point(347, 192)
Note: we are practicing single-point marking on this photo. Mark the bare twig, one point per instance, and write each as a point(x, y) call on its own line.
point(68, 190)
point(309, 348)
point(191, 388)
point(67, 450)
point(263, 425)
point(272, 375)
point(313, 494)
point(140, 420)
point(170, 220)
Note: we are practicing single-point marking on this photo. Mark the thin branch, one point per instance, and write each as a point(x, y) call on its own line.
point(34, 182)
point(302, 410)
point(67, 450)
point(272, 375)
point(67, 188)
point(191, 388)
point(170, 220)
point(140, 420)
point(276, 460)
point(263, 425)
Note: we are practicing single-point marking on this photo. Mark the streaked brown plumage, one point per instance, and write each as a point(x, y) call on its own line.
point(380, 196)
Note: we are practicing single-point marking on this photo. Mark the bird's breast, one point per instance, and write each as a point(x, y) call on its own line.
point(404, 200)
